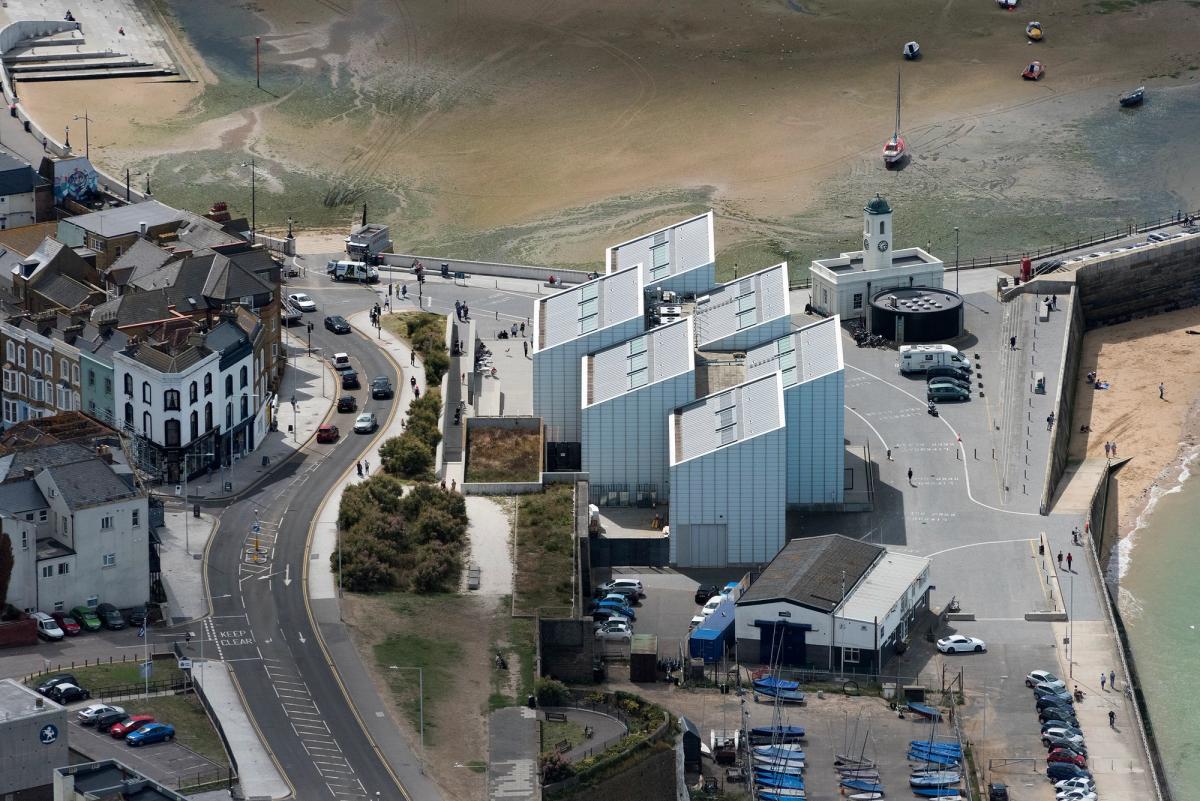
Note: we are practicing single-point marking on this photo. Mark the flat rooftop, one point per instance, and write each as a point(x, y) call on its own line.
point(18, 702)
point(121, 220)
point(853, 261)
point(661, 353)
point(742, 303)
point(587, 307)
point(803, 355)
point(882, 587)
point(727, 418)
point(666, 252)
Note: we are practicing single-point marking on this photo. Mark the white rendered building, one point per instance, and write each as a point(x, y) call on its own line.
point(728, 451)
point(745, 312)
point(629, 391)
point(680, 258)
point(809, 360)
point(845, 285)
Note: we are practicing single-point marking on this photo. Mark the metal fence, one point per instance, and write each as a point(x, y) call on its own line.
point(209, 779)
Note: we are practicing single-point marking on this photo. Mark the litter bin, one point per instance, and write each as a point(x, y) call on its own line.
point(195, 510)
point(267, 459)
point(229, 486)
point(531, 702)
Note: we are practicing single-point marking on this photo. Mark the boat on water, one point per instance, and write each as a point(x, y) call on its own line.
point(924, 710)
point(1034, 31)
point(944, 778)
point(1134, 98)
point(862, 786)
point(895, 149)
point(777, 734)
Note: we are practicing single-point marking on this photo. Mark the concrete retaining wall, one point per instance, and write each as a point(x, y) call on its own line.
point(1141, 283)
point(433, 265)
point(1064, 401)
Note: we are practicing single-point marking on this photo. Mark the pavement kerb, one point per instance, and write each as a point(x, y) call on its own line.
point(308, 606)
point(207, 591)
point(237, 496)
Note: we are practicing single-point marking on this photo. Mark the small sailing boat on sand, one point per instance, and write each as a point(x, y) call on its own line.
point(895, 150)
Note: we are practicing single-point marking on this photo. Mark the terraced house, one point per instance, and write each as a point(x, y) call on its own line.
point(41, 369)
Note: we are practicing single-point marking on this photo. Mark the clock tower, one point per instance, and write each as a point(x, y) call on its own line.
point(877, 234)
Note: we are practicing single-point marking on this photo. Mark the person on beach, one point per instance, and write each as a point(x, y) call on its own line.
point(1107, 450)
point(1070, 559)
point(1103, 679)
point(910, 476)
point(1162, 391)
point(1114, 448)
point(1012, 343)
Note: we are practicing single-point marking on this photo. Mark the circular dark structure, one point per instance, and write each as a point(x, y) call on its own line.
point(917, 314)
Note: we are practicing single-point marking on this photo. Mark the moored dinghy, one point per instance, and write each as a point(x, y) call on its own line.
point(1134, 98)
point(866, 797)
point(943, 778)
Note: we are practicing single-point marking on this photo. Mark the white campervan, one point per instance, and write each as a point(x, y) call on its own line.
point(919, 358)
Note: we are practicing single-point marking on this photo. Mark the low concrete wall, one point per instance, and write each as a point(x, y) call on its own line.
point(433, 266)
point(1140, 283)
point(1064, 401)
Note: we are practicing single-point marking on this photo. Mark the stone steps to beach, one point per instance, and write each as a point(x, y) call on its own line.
point(26, 58)
point(99, 72)
point(20, 70)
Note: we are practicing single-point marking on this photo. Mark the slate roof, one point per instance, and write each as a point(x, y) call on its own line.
point(135, 308)
point(142, 258)
point(18, 497)
point(228, 280)
point(89, 483)
point(201, 233)
point(16, 177)
point(63, 290)
point(164, 362)
point(12, 466)
point(25, 239)
point(810, 572)
point(122, 220)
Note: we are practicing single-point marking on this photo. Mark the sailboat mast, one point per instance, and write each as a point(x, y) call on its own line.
point(897, 132)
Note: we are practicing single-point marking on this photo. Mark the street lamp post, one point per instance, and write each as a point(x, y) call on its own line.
point(956, 259)
point(253, 194)
point(87, 150)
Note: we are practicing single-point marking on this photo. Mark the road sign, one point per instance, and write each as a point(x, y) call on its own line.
point(185, 663)
point(142, 631)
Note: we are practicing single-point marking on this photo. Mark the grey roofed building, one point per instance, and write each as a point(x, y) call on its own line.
point(17, 177)
point(141, 258)
point(120, 220)
point(64, 290)
point(89, 483)
point(668, 255)
point(802, 355)
point(659, 354)
point(135, 308)
point(588, 307)
point(200, 233)
point(815, 572)
point(19, 497)
point(109, 780)
point(12, 465)
point(726, 317)
point(727, 417)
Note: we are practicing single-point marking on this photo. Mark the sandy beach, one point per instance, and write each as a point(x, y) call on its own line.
point(542, 132)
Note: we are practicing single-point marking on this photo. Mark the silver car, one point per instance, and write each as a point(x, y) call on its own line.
point(366, 423)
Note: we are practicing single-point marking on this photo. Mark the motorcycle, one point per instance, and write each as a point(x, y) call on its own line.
point(933, 409)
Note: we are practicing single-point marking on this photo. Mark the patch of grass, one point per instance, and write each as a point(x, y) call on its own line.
point(555, 731)
point(503, 454)
point(437, 659)
point(115, 674)
point(193, 729)
point(545, 550)
point(476, 766)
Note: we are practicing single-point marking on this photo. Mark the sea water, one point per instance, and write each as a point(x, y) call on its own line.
point(1160, 604)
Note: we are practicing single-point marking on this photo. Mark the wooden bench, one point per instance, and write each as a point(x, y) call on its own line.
point(561, 717)
point(563, 746)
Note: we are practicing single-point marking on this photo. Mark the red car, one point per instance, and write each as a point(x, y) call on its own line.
point(1034, 71)
point(134, 723)
point(328, 433)
point(66, 623)
point(1063, 755)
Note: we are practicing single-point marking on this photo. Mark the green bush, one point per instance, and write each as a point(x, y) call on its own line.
point(437, 568)
point(551, 692)
point(406, 456)
point(555, 767)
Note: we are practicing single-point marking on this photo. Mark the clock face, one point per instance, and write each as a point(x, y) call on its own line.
point(882, 245)
point(866, 244)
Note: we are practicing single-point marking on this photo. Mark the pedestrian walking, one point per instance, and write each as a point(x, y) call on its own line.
point(522, 329)
point(1112, 679)
point(910, 476)
point(453, 485)
point(387, 304)
point(466, 312)
point(1112, 719)
point(1070, 559)
point(1103, 679)
point(1114, 448)
point(412, 359)
point(404, 291)
point(1162, 391)
point(1012, 343)
point(1060, 559)
point(525, 344)
point(1050, 421)
point(513, 331)
point(458, 309)
point(366, 467)
point(1054, 302)
point(1075, 535)
point(359, 466)
point(889, 450)
point(1107, 450)
point(417, 392)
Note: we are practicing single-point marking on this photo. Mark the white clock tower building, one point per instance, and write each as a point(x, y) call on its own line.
point(877, 234)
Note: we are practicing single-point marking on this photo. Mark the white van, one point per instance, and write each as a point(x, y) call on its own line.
point(47, 627)
point(919, 358)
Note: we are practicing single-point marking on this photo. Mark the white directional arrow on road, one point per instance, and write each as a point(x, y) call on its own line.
point(287, 575)
point(302, 640)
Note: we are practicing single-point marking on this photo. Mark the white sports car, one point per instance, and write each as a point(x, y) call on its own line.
point(957, 644)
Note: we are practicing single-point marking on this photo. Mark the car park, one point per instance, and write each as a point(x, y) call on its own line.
point(959, 643)
point(1057, 771)
point(86, 618)
point(347, 403)
point(614, 632)
point(381, 388)
point(946, 371)
point(47, 627)
point(110, 617)
point(66, 623)
point(624, 584)
point(109, 719)
point(327, 433)
point(337, 324)
point(365, 423)
point(49, 684)
point(350, 379)
point(1063, 743)
point(68, 693)
point(152, 733)
point(946, 392)
point(93, 712)
point(301, 302)
point(704, 592)
point(134, 723)
point(1037, 677)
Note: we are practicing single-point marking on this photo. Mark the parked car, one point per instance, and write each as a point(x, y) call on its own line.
point(350, 379)
point(712, 604)
point(347, 403)
point(619, 598)
point(1057, 717)
point(956, 382)
point(134, 723)
point(614, 632)
point(730, 589)
point(47, 627)
point(607, 615)
point(1077, 795)
point(381, 388)
point(93, 712)
point(1065, 743)
point(624, 584)
point(1057, 771)
point(696, 621)
point(86, 618)
point(153, 733)
point(136, 616)
point(704, 592)
point(337, 324)
point(1158, 236)
point(620, 609)
point(301, 302)
point(1068, 756)
point(365, 423)
point(1051, 702)
point(938, 391)
point(1084, 783)
point(630, 594)
point(49, 684)
point(68, 693)
point(947, 371)
point(1037, 677)
point(66, 623)
point(1048, 691)
point(327, 433)
point(110, 617)
point(107, 720)
point(1050, 730)
point(958, 644)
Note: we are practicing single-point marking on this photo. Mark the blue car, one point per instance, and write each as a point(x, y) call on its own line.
point(1057, 771)
point(618, 608)
point(151, 733)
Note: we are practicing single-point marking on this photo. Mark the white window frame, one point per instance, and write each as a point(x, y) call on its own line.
point(851, 656)
point(110, 560)
point(20, 355)
point(106, 523)
point(64, 368)
point(47, 571)
point(136, 518)
point(10, 351)
point(42, 515)
point(37, 359)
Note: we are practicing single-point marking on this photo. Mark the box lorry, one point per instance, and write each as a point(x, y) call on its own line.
point(919, 358)
point(368, 241)
point(352, 271)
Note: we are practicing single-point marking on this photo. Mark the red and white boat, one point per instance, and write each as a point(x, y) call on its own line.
point(895, 150)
